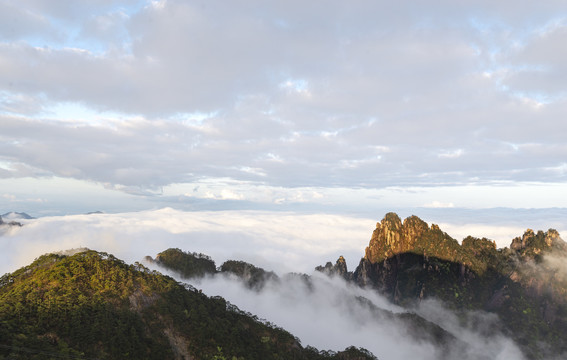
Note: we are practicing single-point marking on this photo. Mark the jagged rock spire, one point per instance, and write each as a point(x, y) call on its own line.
point(340, 268)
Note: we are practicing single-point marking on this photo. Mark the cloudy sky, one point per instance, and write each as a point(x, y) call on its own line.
point(320, 106)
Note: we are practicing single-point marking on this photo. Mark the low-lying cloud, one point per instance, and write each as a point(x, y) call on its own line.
point(325, 315)
point(279, 240)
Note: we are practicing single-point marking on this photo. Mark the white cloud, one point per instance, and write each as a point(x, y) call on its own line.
point(453, 154)
point(328, 314)
point(9, 197)
point(225, 195)
point(279, 240)
point(287, 93)
point(540, 63)
point(438, 204)
point(502, 234)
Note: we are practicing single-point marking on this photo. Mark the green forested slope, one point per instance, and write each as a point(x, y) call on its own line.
point(92, 305)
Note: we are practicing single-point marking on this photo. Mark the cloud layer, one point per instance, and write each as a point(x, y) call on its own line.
point(137, 94)
point(328, 315)
point(282, 241)
point(279, 241)
point(325, 316)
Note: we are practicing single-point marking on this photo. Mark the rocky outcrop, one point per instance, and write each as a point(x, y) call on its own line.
point(392, 237)
point(532, 245)
point(179, 344)
point(254, 277)
point(339, 269)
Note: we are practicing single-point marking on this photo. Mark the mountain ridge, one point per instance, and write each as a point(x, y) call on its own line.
point(13, 215)
point(93, 305)
point(410, 261)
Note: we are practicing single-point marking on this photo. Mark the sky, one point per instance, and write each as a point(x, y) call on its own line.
point(440, 108)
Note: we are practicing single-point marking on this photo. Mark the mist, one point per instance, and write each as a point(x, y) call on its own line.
point(326, 313)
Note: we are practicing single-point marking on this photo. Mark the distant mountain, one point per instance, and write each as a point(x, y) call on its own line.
point(17, 216)
point(525, 285)
point(92, 305)
point(9, 224)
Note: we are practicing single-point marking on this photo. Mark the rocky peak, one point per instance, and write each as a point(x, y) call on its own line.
point(532, 243)
point(391, 220)
point(519, 243)
point(412, 229)
point(392, 236)
point(340, 268)
point(552, 237)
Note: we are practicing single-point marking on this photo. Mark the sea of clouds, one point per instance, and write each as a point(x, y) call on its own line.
point(279, 241)
point(325, 316)
point(283, 242)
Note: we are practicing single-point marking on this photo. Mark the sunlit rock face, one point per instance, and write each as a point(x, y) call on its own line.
point(532, 244)
point(392, 236)
point(410, 260)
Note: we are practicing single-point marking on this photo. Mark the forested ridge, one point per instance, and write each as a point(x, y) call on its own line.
point(92, 305)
